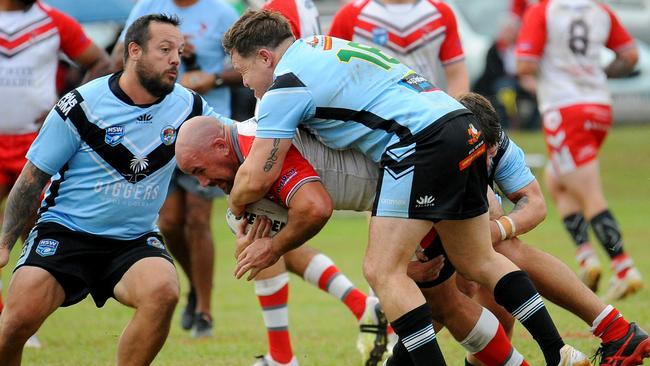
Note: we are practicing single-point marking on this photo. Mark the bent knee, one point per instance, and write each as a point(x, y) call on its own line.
point(163, 295)
point(19, 324)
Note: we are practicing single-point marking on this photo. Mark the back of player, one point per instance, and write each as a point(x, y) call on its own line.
point(396, 102)
point(302, 16)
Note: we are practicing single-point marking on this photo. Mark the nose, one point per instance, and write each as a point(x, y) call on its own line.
point(175, 58)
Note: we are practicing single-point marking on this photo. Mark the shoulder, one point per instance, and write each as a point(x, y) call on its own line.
point(247, 128)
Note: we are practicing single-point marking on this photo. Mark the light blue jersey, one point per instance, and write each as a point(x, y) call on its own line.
point(508, 168)
point(349, 96)
point(111, 160)
point(204, 23)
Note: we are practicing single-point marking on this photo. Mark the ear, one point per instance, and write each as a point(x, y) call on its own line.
point(221, 145)
point(266, 56)
point(135, 51)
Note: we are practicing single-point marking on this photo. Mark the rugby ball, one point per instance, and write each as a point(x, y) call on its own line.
point(263, 207)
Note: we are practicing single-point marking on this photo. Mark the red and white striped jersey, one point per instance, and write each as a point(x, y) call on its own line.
point(421, 34)
point(567, 37)
point(30, 42)
point(301, 14)
point(518, 7)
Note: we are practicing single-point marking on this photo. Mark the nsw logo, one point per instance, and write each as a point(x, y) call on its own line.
point(144, 119)
point(47, 247)
point(114, 135)
point(425, 201)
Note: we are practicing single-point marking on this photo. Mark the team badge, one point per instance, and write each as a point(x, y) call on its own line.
point(47, 247)
point(168, 135)
point(155, 242)
point(114, 135)
point(474, 134)
point(313, 42)
point(380, 36)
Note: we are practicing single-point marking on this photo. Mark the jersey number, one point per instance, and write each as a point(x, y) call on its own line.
point(578, 37)
point(368, 54)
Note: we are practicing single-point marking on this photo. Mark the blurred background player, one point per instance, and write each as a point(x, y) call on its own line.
point(560, 43)
point(31, 36)
point(185, 216)
point(422, 34)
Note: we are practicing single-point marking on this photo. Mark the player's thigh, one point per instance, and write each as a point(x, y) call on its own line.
point(393, 241)
point(172, 212)
point(149, 280)
point(33, 294)
point(298, 259)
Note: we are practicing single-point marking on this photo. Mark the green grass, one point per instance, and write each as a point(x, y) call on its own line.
point(323, 331)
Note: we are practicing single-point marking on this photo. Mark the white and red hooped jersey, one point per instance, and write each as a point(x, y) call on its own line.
point(566, 38)
point(420, 34)
point(30, 42)
point(301, 14)
point(518, 7)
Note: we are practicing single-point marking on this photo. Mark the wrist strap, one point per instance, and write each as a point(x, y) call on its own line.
point(502, 230)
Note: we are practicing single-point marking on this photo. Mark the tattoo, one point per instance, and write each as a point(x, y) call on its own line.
point(521, 203)
point(21, 203)
point(273, 156)
point(618, 68)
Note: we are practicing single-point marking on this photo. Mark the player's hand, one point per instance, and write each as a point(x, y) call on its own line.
point(4, 255)
point(425, 271)
point(189, 48)
point(495, 233)
point(198, 81)
point(256, 257)
point(261, 227)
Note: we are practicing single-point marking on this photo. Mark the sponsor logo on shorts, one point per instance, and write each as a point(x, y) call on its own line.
point(286, 178)
point(47, 247)
point(474, 134)
point(114, 135)
point(168, 135)
point(425, 201)
point(155, 242)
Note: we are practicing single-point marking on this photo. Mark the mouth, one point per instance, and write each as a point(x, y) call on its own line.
point(172, 73)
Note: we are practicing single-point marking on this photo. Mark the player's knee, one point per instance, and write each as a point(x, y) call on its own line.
point(163, 296)
point(376, 275)
point(198, 220)
point(19, 325)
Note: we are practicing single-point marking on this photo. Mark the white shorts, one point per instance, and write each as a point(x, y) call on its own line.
point(348, 175)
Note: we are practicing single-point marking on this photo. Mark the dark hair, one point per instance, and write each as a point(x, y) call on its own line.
point(138, 32)
point(486, 115)
point(256, 29)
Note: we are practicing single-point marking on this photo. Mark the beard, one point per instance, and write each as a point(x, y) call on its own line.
point(152, 82)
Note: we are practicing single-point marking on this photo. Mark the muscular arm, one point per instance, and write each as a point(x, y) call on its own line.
point(527, 72)
point(309, 210)
point(623, 64)
point(95, 61)
point(457, 78)
point(258, 172)
point(21, 204)
point(530, 208)
point(117, 56)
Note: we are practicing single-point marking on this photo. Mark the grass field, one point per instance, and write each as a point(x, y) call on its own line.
point(323, 331)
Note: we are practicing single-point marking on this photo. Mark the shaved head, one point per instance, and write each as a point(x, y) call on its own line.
point(204, 149)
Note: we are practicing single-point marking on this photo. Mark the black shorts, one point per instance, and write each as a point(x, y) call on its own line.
point(86, 264)
point(437, 174)
point(433, 249)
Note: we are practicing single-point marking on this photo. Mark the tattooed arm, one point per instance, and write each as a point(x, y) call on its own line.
point(258, 172)
point(20, 207)
point(530, 207)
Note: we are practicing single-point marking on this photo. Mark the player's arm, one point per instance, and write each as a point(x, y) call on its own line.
point(529, 210)
point(623, 64)
point(95, 61)
point(457, 78)
point(20, 207)
point(530, 46)
point(258, 172)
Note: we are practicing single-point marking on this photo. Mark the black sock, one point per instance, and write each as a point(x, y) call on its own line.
point(577, 227)
point(518, 295)
point(467, 362)
point(415, 331)
point(608, 233)
point(400, 356)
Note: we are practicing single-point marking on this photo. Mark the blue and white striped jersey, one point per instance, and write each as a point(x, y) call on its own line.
point(111, 159)
point(349, 96)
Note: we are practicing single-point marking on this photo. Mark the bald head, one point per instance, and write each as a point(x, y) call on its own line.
point(204, 149)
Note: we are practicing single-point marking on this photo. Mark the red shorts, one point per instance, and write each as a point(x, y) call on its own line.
point(12, 156)
point(574, 134)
